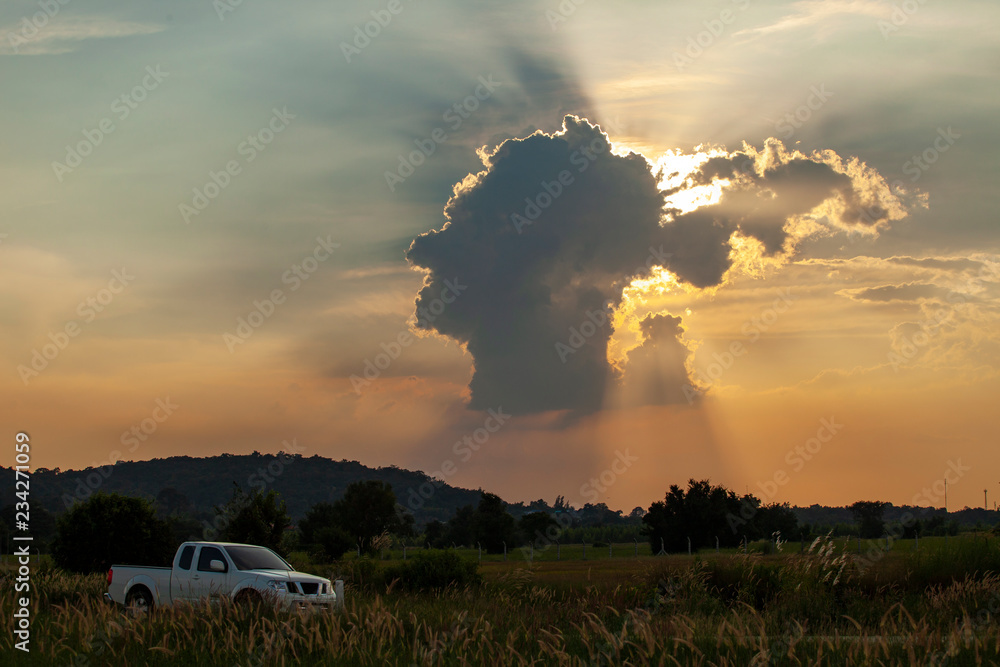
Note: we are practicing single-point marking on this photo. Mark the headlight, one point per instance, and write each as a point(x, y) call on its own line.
point(276, 585)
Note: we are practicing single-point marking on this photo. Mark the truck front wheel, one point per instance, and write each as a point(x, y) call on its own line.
point(139, 601)
point(248, 597)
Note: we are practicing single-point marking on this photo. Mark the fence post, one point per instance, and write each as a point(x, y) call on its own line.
point(338, 588)
point(505, 552)
point(584, 551)
point(636, 546)
point(716, 544)
point(480, 551)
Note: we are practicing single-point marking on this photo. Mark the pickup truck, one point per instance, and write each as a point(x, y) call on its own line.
point(213, 570)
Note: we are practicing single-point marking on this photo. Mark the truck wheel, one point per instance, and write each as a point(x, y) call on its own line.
point(139, 600)
point(248, 598)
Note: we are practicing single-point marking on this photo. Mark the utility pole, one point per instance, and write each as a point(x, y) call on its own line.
point(946, 495)
point(986, 505)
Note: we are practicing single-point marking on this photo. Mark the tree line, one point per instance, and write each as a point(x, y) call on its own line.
point(115, 528)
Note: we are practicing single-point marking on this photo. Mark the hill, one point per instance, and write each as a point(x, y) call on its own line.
point(203, 483)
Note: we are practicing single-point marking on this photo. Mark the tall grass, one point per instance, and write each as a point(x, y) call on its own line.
point(819, 607)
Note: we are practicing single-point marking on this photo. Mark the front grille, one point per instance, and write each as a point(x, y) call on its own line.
point(309, 589)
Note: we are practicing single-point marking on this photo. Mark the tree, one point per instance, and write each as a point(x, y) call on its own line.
point(535, 527)
point(434, 533)
point(868, 514)
point(461, 529)
point(493, 525)
point(254, 518)
point(367, 510)
point(110, 528)
point(322, 534)
point(774, 519)
point(702, 513)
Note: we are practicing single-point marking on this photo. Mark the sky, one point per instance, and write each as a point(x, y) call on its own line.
point(587, 249)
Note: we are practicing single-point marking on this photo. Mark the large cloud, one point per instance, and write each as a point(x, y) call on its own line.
point(538, 248)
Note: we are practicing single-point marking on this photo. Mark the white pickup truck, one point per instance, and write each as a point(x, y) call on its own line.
point(212, 570)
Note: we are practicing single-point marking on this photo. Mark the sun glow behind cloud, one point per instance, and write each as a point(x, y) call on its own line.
point(674, 168)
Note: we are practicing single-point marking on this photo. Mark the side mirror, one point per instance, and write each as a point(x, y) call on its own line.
point(217, 566)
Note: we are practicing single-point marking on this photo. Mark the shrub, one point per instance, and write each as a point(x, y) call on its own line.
point(111, 528)
point(434, 569)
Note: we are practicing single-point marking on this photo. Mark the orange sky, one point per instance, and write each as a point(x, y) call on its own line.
point(112, 300)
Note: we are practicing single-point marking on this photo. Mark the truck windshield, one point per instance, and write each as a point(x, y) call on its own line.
point(256, 558)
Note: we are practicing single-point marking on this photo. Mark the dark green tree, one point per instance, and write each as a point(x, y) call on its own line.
point(434, 533)
point(461, 528)
point(322, 535)
point(868, 514)
point(774, 519)
point(254, 518)
point(702, 513)
point(493, 525)
point(369, 509)
point(107, 529)
point(535, 527)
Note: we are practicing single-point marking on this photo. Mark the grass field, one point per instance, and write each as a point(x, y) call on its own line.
point(936, 606)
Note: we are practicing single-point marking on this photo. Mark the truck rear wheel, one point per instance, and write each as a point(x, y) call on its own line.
point(139, 601)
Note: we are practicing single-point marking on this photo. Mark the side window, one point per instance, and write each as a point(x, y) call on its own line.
point(207, 555)
point(186, 556)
